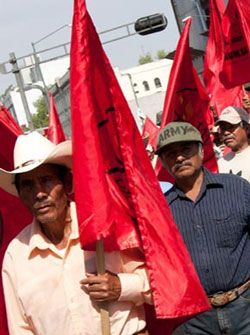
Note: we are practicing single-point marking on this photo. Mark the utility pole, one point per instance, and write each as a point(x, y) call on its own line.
point(20, 84)
point(40, 75)
point(139, 111)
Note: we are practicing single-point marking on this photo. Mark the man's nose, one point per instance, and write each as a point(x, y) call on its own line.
point(180, 157)
point(226, 133)
point(39, 189)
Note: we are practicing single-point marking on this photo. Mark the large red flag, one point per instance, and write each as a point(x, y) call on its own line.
point(150, 129)
point(117, 194)
point(187, 100)
point(220, 96)
point(236, 37)
point(13, 215)
point(55, 131)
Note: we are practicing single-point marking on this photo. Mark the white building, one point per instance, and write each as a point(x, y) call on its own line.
point(144, 87)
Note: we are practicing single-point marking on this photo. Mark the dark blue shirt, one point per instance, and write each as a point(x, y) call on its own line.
point(216, 229)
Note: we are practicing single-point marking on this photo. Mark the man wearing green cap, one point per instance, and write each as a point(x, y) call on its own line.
point(213, 214)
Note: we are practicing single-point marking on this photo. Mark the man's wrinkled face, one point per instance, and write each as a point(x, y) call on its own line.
point(234, 135)
point(182, 159)
point(43, 192)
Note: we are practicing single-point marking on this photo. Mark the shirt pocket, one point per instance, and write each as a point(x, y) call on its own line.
point(228, 230)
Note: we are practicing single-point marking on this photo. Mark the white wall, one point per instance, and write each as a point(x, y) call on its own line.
point(147, 72)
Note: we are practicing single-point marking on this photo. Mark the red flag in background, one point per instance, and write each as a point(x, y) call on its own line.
point(236, 37)
point(186, 100)
point(55, 131)
point(117, 195)
point(13, 215)
point(150, 129)
point(9, 130)
point(221, 96)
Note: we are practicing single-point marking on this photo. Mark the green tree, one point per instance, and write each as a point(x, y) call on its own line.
point(161, 54)
point(40, 118)
point(145, 59)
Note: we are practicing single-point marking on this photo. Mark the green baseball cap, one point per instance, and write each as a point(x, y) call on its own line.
point(176, 132)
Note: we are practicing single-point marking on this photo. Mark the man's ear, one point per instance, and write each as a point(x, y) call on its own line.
point(68, 182)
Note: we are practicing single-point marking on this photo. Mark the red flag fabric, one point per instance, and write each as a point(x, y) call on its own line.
point(220, 96)
point(13, 215)
point(150, 129)
point(55, 131)
point(117, 195)
point(187, 100)
point(236, 37)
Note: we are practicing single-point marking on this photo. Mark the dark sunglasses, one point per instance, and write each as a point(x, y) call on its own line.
point(229, 127)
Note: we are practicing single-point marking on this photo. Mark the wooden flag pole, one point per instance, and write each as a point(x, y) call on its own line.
point(100, 266)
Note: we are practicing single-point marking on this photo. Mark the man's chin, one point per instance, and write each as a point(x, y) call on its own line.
point(182, 172)
point(44, 218)
point(230, 143)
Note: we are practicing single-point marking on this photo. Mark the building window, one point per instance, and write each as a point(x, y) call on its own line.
point(157, 83)
point(146, 86)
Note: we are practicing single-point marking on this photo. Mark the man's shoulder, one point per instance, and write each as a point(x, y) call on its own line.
point(230, 179)
point(21, 240)
point(170, 194)
point(232, 156)
point(227, 158)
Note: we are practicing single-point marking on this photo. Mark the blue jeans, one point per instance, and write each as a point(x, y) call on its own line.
point(231, 319)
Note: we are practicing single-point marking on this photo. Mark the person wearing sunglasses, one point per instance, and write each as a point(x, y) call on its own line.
point(234, 129)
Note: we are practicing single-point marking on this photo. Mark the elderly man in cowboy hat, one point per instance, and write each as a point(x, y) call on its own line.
point(48, 279)
point(213, 214)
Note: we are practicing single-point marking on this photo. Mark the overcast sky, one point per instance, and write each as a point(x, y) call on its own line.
point(26, 21)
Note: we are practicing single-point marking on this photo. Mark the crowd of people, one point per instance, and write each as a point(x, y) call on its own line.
point(51, 285)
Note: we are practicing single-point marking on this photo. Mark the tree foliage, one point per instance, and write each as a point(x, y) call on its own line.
point(161, 54)
point(145, 59)
point(40, 118)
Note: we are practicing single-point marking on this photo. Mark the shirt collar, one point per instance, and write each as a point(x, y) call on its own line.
point(39, 241)
point(210, 180)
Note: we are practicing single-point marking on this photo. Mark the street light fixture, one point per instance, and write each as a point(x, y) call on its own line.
point(151, 24)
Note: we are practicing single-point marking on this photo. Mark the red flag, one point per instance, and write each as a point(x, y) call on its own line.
point(13, 215)
point(55, 131)
point(187, 100)
point(150, 129)
point(221, 96)
point(117, 194)
point(236, 38)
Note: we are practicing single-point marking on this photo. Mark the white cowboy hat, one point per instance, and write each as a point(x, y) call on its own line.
point(32, 150)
